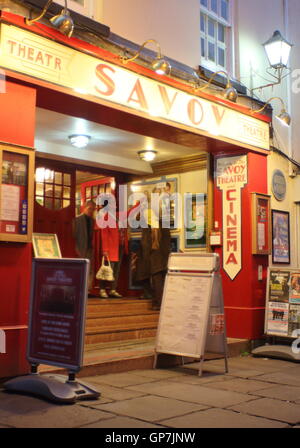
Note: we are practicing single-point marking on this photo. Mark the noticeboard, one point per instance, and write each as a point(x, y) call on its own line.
point(192, 319)
point(57, 312)
point(282, 302)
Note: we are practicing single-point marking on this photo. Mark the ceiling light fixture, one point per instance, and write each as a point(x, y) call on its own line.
point(79, 140)
point(63, 21)
point(147, 155)
point(284, 117)
point(160, 65)
point(229, 93)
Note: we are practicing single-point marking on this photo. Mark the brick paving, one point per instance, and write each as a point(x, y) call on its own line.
point(256, 393)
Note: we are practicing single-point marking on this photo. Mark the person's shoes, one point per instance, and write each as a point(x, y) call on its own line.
point(115, 294)
point(103, 294)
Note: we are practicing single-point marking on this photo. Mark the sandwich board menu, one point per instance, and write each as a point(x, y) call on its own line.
point(192, 312)
point(283, 302)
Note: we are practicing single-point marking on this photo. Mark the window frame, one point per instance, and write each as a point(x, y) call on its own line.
point(227, 46)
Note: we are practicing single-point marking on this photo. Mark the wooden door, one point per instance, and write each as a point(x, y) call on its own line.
point(54, 208)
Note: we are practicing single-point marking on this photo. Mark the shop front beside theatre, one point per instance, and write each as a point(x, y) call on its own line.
point(206, 145)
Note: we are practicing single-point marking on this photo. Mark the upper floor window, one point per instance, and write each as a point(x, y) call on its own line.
point(215, 32)
point(84, 7)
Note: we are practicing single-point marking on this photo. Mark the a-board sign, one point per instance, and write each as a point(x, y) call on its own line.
point(57, 312)
point(192, 318)
point(194, 262)
point(282, 316)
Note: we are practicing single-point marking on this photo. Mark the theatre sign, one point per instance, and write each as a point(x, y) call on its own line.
point(114, 85)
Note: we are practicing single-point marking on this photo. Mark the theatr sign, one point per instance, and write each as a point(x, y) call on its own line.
point(36, 56)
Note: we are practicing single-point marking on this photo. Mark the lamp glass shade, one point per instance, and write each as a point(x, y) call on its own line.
point(63, 22)
point(161, 66)
point(284, 117)
point(278, 50)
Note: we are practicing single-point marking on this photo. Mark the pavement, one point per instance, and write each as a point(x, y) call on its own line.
point(256, 393)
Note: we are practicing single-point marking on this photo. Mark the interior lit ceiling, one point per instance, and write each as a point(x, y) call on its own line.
point(53, 128)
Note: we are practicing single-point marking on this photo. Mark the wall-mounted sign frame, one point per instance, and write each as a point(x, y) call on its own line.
point(279, 185)
point(261, 224)
point(16, 193)
point(46, 245)
point(280, 237)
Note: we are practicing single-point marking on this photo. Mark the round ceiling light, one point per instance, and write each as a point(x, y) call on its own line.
point(79, 140)
point(147, 155)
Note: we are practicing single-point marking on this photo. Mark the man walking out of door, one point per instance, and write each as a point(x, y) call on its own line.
point(83, 230)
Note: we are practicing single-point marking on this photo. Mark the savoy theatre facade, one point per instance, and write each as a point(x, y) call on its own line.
point(216, 147)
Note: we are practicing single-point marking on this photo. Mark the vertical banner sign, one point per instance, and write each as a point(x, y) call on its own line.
point(231, 177)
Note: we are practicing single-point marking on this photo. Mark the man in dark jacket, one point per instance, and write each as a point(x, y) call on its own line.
point(83, 231)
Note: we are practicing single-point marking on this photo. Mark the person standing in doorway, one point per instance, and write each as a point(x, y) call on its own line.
point(83, 231)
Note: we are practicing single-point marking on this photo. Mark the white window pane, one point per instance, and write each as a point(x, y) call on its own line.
point(203, 48)
point(211, 52)
point(211, 28)
point(221, 33)
point(221, 57)
point(214, 6)
point(204, 3)
point(203, 23)
point(224, 9)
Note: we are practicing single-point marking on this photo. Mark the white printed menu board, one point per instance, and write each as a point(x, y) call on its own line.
point(184, 314)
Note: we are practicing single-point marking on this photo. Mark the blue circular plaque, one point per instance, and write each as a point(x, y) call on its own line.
point(279, 185)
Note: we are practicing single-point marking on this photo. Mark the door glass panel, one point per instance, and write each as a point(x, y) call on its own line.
point(58, 178)
point(67, 193)
point(67, 179)
point(58, 191)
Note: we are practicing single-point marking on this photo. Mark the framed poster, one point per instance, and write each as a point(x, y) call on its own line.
point(261, 224)
point(16, 193)
point(45, 245)
point(280, 237)
point(195, 221)
point(163, 186)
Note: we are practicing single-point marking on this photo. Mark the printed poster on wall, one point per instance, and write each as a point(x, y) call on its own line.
point(279, 286)
point(295, 288)
point(277, 318)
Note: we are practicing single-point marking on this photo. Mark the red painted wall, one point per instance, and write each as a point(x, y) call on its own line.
point(244, 296)
point(17, 126)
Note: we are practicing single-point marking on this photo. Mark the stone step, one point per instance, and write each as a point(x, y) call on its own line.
point(119, 335)
point(122, 305)
point(122, 321)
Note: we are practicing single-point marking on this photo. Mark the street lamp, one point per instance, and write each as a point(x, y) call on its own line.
point(278, 50)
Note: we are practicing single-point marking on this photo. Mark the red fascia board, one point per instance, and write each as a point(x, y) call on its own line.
point(77, 44)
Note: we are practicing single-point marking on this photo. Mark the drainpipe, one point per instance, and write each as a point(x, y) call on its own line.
point(285, 7)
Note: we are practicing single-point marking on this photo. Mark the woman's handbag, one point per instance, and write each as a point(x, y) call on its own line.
point(105, 272)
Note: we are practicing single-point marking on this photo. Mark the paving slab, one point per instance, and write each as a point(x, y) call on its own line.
point(192, 393)
point(271, 409)
point(122, 379)
point(112, 393)
point(244, 372)
point(220, 418)
point(122, 422)
point(157, 373)
point(150, 408)
point(287, 378)
point(27, 412)
point(249, 362)
point(204, 379)
point(285, 393)
point(239, 385)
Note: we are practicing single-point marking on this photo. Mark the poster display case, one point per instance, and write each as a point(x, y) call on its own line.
point(16, 193)
point(261, 224)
